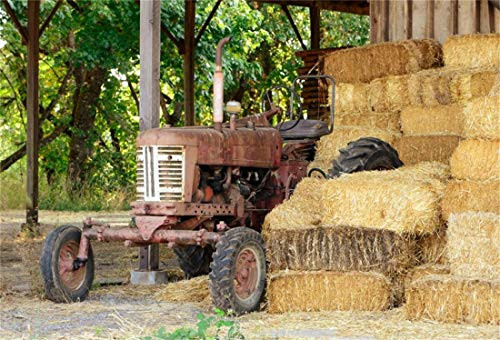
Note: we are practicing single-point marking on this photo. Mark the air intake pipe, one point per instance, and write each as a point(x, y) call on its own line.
point(219, 86)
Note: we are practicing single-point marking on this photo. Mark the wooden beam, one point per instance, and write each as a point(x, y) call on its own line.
point(149, 104)
point(315, 23)
point(164, 29)
point(51, 15)
point(295, 28)
point(207, 21)
point(20, 28)
point(360, 7)
point(189, 46)
point(32, 108)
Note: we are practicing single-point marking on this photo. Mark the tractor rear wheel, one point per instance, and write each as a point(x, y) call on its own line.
point(365, 154)
point(62, 282)
point(194, 260)
point(238, 276)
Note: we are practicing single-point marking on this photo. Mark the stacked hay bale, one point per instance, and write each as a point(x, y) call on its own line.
point(405, 79)
point(471, 292)
point(350, 251)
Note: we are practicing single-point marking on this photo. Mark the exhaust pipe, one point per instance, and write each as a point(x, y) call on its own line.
point(219, 86)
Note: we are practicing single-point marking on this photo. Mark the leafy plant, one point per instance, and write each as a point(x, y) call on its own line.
point(218, 326)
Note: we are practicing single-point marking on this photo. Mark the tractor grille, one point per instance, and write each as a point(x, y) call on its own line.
point(160, 173)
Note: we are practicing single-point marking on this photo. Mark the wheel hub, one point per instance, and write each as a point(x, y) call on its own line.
point(70, 278)
point(246, 274)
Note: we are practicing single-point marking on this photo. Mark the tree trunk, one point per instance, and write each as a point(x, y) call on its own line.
point(85, 99)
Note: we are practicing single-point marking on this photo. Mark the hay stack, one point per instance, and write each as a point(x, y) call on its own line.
point(481, 118)
point(474, 244)
point(363, 64)
point(476, 160)
point(434, 120)
point(339, 248)
point(328, 146)
point(380, 120)
point(404, 200)
point(328, 291)
point(474, 50)
point(448, 298)
point(432, 87)
point(462, 196)
point(425, 270)
point(431, 248)
point(192, 290)
point(415, 149)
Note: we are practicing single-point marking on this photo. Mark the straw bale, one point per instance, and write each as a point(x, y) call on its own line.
point(419, 272)
point(462, 196)
point(328, 146)
point(328, 291)
point(192, 290)
point(350, 98)
point(481, 118)
point(431, 248)
point(448, 298)
point(416, 149)
point(476, 160)
point(434, 120)
point(473, 50)
point(363, 64)
point(470, 84)
point(474, 244)
point(339, 248)
point(404, 200)
point(380, 120)
point(302, 209)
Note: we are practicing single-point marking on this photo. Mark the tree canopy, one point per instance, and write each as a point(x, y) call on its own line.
point(89, 91)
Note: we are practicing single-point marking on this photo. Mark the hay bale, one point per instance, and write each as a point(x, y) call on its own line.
point(473, 50)
point(338, 248)
point(363, 64)
point(328, 146)
point(379, 120)
point(471, 84)
point(431, 248)
point(419, 272)
point(403, 200)
point(350, 98)
point(474, 244)
point(476, 160)
point(192, 290)
point(302, 209)
point(448, 298)
point(481, 118)
point(328, 291)
point(435, 120)
point(462, 196)
point(416, 149)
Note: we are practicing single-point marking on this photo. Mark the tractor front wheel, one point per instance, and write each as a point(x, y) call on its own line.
point(238, 276)
point(62, 282)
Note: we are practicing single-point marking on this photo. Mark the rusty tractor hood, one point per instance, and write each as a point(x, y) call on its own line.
point(258, 147)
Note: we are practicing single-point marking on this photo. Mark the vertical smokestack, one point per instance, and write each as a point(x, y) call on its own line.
point(219, 86)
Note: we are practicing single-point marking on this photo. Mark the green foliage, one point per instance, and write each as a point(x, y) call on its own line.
point(105, 34)
point(207, 328)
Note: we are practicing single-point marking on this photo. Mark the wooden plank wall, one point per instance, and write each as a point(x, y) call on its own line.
point(393, 20)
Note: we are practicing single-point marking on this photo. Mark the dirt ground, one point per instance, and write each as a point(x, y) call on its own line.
point(116, 309)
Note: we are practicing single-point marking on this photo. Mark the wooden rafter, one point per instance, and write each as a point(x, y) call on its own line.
point(51, 15)
point(360, 7)
point(294, 26)
point(21, 29)
point(207, 21)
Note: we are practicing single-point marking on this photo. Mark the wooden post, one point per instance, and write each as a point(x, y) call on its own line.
point(189, 47)
point(315, 22)
point(32, 108)
point(149, 104)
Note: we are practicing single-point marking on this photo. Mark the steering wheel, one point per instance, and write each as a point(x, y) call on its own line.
point(270, 101)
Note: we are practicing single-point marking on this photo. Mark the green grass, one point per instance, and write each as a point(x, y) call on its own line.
point(56, 197)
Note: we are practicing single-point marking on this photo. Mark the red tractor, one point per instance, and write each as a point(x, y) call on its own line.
point(205, 192)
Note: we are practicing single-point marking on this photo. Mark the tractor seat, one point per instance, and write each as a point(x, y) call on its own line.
point(304, 129)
